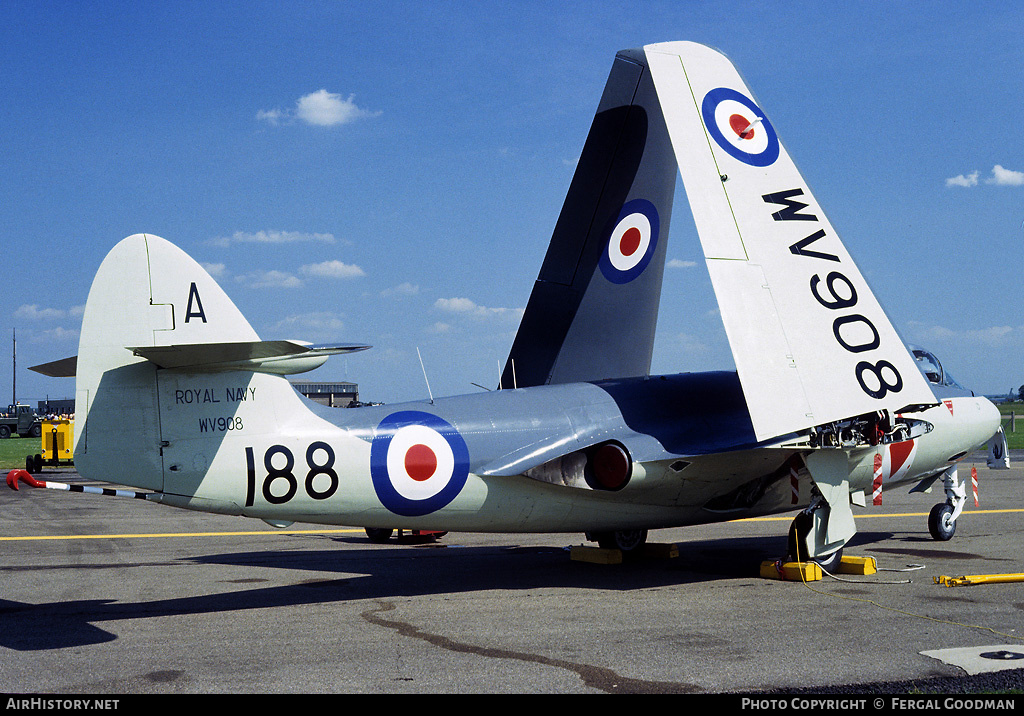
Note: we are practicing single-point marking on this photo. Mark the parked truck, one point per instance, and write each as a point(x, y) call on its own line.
point(20, 419)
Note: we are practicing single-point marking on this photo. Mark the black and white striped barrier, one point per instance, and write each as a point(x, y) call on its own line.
point(15, 476)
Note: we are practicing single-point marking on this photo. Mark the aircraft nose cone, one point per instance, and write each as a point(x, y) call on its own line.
point(984, 424)
point(992, 416)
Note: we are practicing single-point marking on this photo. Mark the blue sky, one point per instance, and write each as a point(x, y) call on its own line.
point(390, 172)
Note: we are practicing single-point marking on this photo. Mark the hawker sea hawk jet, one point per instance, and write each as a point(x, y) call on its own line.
point(177, 396)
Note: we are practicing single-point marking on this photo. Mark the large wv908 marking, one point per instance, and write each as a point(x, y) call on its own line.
point(810, 341)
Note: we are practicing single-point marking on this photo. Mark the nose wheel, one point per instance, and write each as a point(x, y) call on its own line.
point(941, 522)
point(942, 518)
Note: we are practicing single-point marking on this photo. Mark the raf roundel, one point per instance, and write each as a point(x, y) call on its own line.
point(739, 127)
point(418, 463)
point(631, 242)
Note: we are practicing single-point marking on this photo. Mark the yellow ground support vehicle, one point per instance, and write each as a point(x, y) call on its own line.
point(58, 439)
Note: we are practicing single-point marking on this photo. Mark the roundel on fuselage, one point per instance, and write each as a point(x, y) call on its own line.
point(418, 463)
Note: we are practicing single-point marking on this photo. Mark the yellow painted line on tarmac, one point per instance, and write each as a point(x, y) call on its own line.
point(178, 534)
point(256, 533)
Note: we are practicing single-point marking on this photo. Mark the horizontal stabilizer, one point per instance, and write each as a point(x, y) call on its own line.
point(63, 368)
point(278, 357)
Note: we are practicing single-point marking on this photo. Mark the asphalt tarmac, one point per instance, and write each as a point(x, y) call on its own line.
point(110, 595)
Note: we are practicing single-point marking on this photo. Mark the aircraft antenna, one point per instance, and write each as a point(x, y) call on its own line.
point(425, 379)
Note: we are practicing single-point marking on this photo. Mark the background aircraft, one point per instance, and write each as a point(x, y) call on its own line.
point(177, 395)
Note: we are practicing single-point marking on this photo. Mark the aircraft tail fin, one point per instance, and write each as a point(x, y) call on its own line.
point(810, 341)
point(146, 293)
point(594, 306)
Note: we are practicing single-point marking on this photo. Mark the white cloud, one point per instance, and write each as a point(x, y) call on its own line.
point(332, 269)
point(991, 336)
point(33, 312)
point(317, 326)
point(402, 289)
point(466, 307)
point(320, 109)
point(961, 180)
point(456, 305)
point(1005, 177)
point(271, 116)
point(326, 109)
point(271, 237)
point(689, 343)
point(214, 269)
point(928, 333)
point(1000, 177)
point(269, 279)
point(56, 334)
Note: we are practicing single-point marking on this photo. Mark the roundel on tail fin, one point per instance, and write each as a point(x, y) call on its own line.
point(631, 241)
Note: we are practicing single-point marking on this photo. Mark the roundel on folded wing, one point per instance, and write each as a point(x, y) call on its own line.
point(740, 127)
point(631, 242)
point(418, 463)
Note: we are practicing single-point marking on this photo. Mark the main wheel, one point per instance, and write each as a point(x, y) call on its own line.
point(797, 540)
point(940, 522)
point(380, 535)
point(624, 540)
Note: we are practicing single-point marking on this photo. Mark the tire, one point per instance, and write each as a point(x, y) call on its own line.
point(798, 530)
point(379, 535)
point(36, 431)
point(797, 534)
point(829, 562)
point(939, 522)
point(623, 540)
point(5, 432)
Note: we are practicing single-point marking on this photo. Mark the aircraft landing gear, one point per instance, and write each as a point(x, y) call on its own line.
point(942, 518)
point(382, 535)
point(623, 540)
point(801, 537)
point(941, 523)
